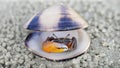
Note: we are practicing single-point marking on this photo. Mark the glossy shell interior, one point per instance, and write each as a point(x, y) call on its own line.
point(35, 39)
point(56, 18)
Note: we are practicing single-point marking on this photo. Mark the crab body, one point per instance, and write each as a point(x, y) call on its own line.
point(59, 44)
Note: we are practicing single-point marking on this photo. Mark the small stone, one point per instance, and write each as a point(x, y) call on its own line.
point(4, 51)
point(74, 61)
point(9, 48)
point(1, 61)
point(42, 66)
point(20, 61)
point(105, 44)
point(4, 44)
point(96, 58)
point(30, 55)
point(111, 62)
point(102, 54)
point(32, 62)
point(14, 66)
point(7, 63)
point(84, 64)
point(1, 66)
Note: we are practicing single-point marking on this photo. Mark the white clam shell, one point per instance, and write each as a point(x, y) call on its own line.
point(35, 39)
point(56, 18)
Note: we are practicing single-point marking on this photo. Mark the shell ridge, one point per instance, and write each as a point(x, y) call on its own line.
point(59, 18)
point(34, 23)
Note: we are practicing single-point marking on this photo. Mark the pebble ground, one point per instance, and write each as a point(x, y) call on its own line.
point(103, 17)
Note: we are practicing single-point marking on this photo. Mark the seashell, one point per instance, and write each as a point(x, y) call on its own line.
point(35, 39)
point(57, 34)
point(56, 18)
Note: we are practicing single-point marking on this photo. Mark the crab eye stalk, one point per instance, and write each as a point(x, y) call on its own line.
point(55, 35)
point(67, 35)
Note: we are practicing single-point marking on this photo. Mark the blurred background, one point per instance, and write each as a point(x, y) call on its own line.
point(103, 17)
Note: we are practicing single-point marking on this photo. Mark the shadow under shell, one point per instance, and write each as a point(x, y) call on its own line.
point(35, 39)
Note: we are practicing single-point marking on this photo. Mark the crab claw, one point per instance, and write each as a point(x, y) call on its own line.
point(54, 47)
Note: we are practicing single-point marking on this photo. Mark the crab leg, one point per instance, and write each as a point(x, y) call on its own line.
point(72, 43)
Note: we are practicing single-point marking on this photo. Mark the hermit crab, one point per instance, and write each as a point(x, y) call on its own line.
point(57, 33)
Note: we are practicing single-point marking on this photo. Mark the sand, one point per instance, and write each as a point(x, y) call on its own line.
point(103, 17)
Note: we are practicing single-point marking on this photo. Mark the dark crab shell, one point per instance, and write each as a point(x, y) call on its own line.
point(34, 43)
point(56, 18)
